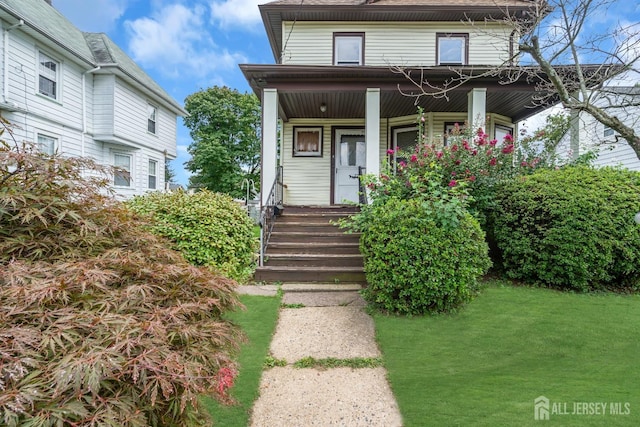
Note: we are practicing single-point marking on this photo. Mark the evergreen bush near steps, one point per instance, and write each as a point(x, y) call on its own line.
point(421, 256)
point(208, 228)
point(571, 228)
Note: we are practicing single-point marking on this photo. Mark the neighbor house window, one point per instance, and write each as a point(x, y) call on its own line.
point(452, 49)
point(122, 174)
point(47, 144)
point(405, 140)
point(48, 72)
point(608, 131)
point(153, 174)
point(152, 112)
point(348, 48)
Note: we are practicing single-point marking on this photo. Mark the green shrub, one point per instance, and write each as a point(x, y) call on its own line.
point(421, 256)
point(101, 323)
point(571, 228)
point(209, 229)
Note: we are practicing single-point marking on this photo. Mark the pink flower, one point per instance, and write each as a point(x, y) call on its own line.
point(472, 178)
point(423, 119)
point(493, 142)
point(489, 152)
point(480, 131)
point(508, 149)
point(414, 158)
point(439, 154)
point(390, 152)
point(453, 183)
point(493, 161)
point(508, 138)
point(474, 152)
point(454, 148)
point(453, 173)
point(458, 162)
point(402, 164)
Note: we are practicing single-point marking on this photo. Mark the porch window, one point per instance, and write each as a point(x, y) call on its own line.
point(404, 140)
point(348, 48)
point(500, 131)
point(452, 49)
point(451, 129)
point(307, 142)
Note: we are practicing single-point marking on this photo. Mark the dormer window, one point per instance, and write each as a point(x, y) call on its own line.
point(452, 49)
point(348, 48)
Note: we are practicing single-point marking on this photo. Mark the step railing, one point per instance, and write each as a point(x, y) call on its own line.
point(269, 212)
point(362, 190)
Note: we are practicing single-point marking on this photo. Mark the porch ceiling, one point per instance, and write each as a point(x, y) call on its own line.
point(302, 89)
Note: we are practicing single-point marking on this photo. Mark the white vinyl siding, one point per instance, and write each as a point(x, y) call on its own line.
point(405, 43)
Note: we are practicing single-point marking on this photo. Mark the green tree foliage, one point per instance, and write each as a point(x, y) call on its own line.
point(225, 127)
point(101, 324)
point(571, 228)
point(209, 229)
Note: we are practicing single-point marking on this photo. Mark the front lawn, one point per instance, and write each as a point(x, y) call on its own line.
point(258, 322)
point(485, 365)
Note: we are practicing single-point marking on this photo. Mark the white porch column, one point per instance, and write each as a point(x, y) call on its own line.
point(372, 130)
point(477, 108)
point(269, 142)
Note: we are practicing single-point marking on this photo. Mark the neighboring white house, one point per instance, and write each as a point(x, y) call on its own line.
point(587, 134)
point(79, 94)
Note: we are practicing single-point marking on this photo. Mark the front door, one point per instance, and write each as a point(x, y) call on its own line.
point(350, 153)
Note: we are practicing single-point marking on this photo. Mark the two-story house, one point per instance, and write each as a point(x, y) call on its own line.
point(588, 135)
point(79, 94)
point(339, 104)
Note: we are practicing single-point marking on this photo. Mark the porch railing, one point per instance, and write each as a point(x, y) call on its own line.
point(269, 211)
point(362, 190)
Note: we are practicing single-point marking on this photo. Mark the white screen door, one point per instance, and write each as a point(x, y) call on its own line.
point(350, 153)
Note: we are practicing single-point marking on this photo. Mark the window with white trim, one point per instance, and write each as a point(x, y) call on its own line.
point(608, 132)
point(153, 174)
point(122, 174)
point(405, 140)
point(348, 48)
point(48, 76)
point(452, 49)
point(152, 112)
point(47, 144)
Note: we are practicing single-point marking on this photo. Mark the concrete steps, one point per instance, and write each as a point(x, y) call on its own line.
point(307, 246)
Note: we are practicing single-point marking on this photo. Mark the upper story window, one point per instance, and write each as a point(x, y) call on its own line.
point(153, 174)
point(122, 175)
point(47, 144)
point(48, 76)
point(152, 112)
point(348, 48)
point(452, 49)
point(608, 131)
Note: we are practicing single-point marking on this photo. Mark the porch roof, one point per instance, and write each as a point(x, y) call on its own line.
point(303, 88)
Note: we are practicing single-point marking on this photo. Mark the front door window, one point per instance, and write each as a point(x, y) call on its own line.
point(349, 157)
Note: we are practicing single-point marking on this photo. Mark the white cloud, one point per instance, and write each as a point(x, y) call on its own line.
point(93, 16)
point(175, 41)
point(239, 13)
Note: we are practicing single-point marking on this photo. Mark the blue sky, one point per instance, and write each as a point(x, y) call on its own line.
point(184, 45)
point(189, 45)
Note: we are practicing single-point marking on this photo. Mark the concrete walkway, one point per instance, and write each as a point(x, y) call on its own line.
point(332, 324)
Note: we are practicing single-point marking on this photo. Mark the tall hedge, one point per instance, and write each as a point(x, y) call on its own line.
point(208, 228)
point(421, 256)
point(571, 228)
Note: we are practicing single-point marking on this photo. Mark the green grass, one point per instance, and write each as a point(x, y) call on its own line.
point(258, 321)
point(485, 365)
